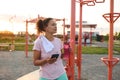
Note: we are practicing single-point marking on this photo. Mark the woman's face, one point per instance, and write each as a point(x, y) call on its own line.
point(52, 27)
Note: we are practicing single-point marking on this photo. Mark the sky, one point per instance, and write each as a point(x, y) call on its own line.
point(13, 13)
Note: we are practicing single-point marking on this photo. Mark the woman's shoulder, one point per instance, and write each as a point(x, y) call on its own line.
point(38, 39)
point(58, 39)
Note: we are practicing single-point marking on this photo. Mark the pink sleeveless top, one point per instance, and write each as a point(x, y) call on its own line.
point(50, 71)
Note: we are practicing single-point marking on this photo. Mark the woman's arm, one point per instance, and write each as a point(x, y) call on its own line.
point(39, 62)
point(37, 59)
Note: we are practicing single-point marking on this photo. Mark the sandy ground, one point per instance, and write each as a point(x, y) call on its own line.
point(14, 65)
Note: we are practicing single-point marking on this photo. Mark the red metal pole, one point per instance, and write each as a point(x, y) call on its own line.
point(110, 47)
point(79, 55)
point(111, 30)
point(111, 61)
point(63, 29)
point(72, 38)
point(26, 46)
point(90, 35)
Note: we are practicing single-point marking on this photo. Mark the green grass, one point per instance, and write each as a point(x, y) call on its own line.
point(94, 50)
point(85, 50)
point(22, 47)
point(117, 49)
point(117, 46)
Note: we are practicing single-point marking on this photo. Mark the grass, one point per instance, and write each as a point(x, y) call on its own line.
point(94, 50)
point(117, 49)
point(117, 46)
point(22, 47)
point(85, 50)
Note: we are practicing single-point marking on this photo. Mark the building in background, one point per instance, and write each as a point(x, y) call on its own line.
point(87, 31)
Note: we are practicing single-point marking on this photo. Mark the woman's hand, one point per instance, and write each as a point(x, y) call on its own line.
point(51, 60)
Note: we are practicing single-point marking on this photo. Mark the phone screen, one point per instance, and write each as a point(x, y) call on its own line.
point(55, 56)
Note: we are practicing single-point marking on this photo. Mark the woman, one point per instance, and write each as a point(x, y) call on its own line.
point(44, 47)
point(66, 49)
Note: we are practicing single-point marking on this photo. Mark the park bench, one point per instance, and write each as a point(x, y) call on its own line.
point(3, 46)
point(9, 47)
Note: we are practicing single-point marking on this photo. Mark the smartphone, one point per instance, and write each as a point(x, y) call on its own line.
point(55, 56)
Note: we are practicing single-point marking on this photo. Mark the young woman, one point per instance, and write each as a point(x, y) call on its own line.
point(51, 67)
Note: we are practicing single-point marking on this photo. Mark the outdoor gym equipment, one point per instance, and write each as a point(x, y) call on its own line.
point(110, 61)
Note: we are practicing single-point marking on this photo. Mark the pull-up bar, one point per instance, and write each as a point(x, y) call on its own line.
point(79, 55)
point(99, 1)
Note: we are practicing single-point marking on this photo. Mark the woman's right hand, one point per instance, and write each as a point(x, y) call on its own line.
point(51, 60)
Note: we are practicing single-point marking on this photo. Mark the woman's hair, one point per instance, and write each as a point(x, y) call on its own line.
point(42, 24)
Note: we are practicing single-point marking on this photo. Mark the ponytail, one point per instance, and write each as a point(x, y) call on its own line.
point(41, 24)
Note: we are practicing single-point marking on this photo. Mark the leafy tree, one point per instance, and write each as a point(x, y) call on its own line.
point(118, 36)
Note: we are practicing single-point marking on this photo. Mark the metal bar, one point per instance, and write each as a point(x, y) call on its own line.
point(63, 29)
point(110, 47)
point(79, 55)
point(72, 38)
point(26, 46)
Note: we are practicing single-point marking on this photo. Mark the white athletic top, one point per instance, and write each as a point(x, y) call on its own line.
point(50, 71)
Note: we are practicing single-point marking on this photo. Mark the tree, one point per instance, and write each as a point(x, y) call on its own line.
point(118, 36)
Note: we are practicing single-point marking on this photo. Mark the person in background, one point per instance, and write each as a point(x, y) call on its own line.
point(66, 48)
point(51, 68)
point(11, 47)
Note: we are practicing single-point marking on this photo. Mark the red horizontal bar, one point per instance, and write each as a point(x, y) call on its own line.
point(101, 1)
point(115, 16)
point(114, 60)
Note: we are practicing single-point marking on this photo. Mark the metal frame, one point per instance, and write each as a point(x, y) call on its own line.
point(110, 61)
